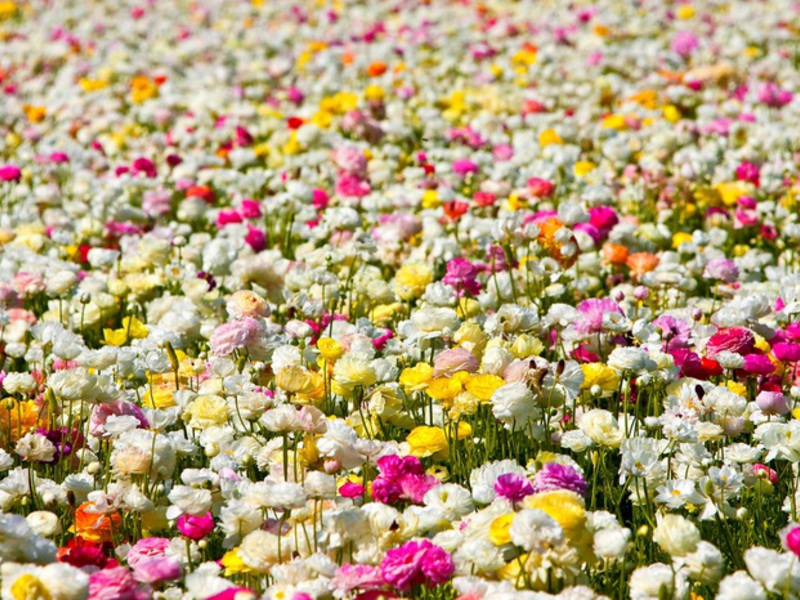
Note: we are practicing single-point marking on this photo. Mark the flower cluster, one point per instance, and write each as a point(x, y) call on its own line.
point(399, 299)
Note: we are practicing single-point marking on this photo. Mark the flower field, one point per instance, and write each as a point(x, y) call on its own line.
point(415, 299)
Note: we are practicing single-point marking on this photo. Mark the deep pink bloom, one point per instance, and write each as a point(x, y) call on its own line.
point(786, 352)
point(732, 339)
point(351, 490)
point(540, 188)
point(416, 563)
point(765, 471)
point(747, 171)
point(10, 173)
point(225, 217)
point(255, 238)
point(235, 593)
point(463, 166)
point(250, 209)
point(351, 186)
point(195, 528)
point(758, 364)
point(604, 218)
point(513, 487)
point(555, 476)
point(461, 275)
point(770, 94)
point(792, 541)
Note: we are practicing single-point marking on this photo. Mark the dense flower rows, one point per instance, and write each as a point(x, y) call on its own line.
point(399, 299)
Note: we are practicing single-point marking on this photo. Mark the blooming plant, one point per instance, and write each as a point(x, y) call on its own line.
point(399, 299)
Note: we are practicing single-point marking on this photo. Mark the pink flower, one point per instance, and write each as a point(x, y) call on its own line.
point(461, 275)
point(591, 311)
point(351, 160)
point(351, 186)
point(772, 95)
point(450, 362)
point(792, 541)
point(786, 352)
point(321, 198)
point(722, 269)
point(156, 203)
point(235, 334)
point(684, 43)
point(195, 528)
point(250, 209)
point(604, 218)
point(351, 490)
point(513, 487)
point(362, 577)
point(10, 173)
point(255, 238)
point(772, 403)
point(463, 166)
point(416, 563)
point(226, 217)
point(747, 171)
point(116, 584)
point(733, 339)
point(758, 364)
point(235, 593)
point(101, 412)
point(555, 476)
point(155, 570)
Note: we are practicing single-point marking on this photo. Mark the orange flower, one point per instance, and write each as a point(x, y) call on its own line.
point(547, 239)
point(94, 526)
point(641, 262)
point(376, 68)
point(18, 418)
point(614, 254)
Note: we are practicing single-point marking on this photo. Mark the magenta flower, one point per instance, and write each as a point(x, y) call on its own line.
point(461, 275)
point(255, 238)
point(250, 209)
point(463, 167)
point(401, 479)
point(758, 364)
point(350, 186)
point(357, 577)
point(773, 96)
point(513, 487)
point(10, 173)
point(786, 352)
point(195, 528)
point(555, 476)
point(416, 563)
point(747, 171)
point(591, 311)
point(734, 339)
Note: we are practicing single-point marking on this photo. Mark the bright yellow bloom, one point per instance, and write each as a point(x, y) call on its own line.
point(411, 280)
point(29, 587)
point(731, 191)
point(583, 167)
point(483, 386)
point(601, 375)
point(329, 349)
point(295, 379)
point(132, 329)
point(426, 441)
point(416, 378)
point(233, 563)
point(498, 531)
point(444, 389)
point(565, 507)
point(142, 88)
point(549, 136)
point(681, 238)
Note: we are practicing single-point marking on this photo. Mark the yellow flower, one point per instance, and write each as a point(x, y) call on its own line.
point(7, 9)
point(685, 12)
point(565, 507)
point(92, 85)
point(483, 386)
point(295, 379)
point(470, 336)
point(329, 349)
point(731, 191)
point(513, 570)
point(549, 136)
point(615, 122)
point(142, 88)
point(132, 329)
point(35, 114)
point(444, 389)
point(411, 280)
point(159, 397)
point(426, 441)
point(374, 92)
point(29, 587)
point(601, 375)
point(416, 378)
point(737, 388)
point(583, 167)
point(498, 530)
point(524, 58)
point(672, 113)
point(526, 345)
point(680, 238)
point(233, 563)
point(207, 411)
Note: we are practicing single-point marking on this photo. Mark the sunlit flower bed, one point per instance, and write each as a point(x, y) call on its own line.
point(399, 299)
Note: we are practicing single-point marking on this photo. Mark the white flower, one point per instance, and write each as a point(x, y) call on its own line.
point(453, 501)
point(514, 404)
point(19, 383)
point(676, 535)
point(740, 586)
point(35, 447)
point(187, 500)
point(601, 427)
point(534, 530)
point(646, 583)
point(705, 564)
point(482, 478)
point(43, 522)
point(630, 359)
point(260, 550)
